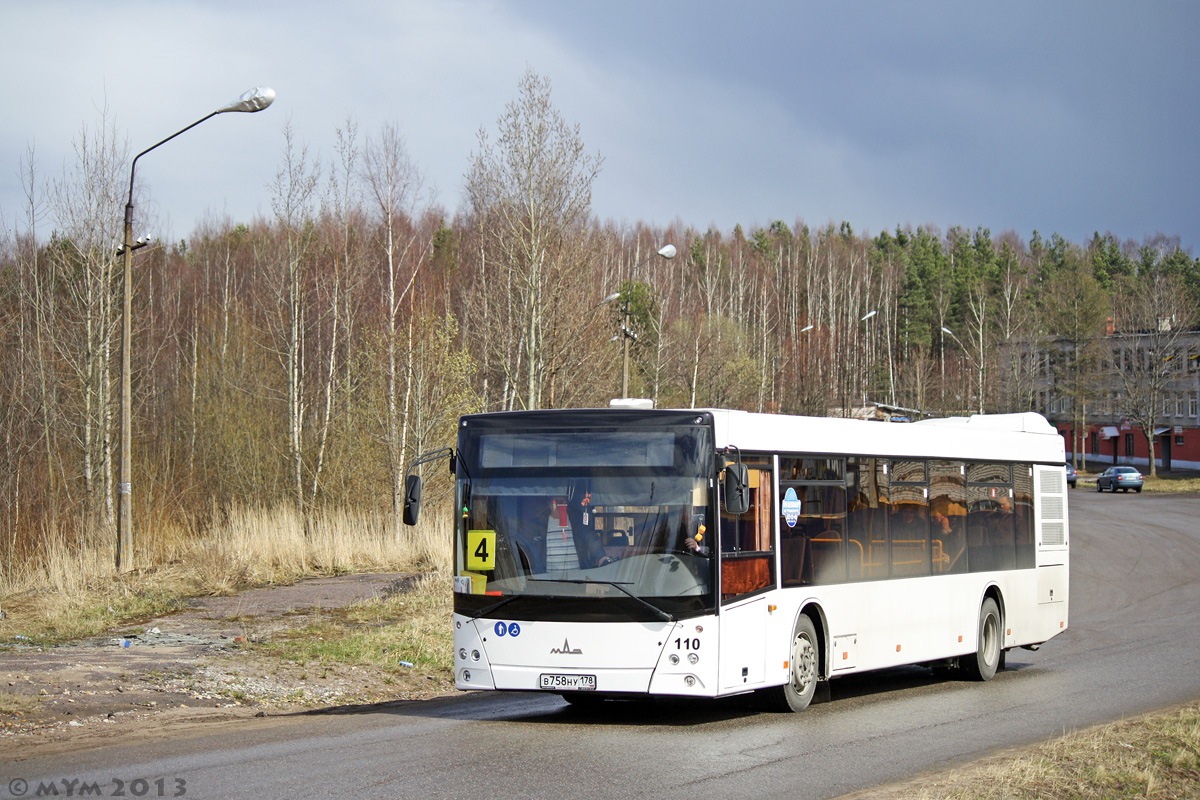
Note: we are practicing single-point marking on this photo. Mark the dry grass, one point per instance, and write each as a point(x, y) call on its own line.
point(1173, 483)
point(16, 704)
point(400, 631)
point(72, 591)
point(1154, 756)
point(257, 547)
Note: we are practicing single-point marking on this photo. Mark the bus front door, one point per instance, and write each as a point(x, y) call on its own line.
point(743, 644)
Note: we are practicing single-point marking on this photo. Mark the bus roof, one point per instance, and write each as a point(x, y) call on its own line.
point(981, 437)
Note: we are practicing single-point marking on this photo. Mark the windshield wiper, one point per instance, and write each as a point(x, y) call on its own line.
point(578, 580)
point(497, 605)
point(663, 615)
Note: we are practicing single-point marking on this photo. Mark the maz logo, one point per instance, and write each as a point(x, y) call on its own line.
point(565, 650)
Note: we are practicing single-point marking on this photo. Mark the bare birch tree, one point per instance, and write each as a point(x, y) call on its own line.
point(82, 263)
point(1016, 329)
point(293, 189)
point(37, 302)
point(395, 186)
point(1075, 307)
point(530, 195)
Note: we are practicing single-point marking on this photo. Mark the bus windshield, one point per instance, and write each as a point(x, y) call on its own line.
point(576, 522)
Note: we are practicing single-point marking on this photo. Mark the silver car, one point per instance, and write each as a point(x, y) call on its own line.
point(1123, 478)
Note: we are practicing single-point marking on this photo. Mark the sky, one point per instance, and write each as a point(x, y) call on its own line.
point(1069, 117)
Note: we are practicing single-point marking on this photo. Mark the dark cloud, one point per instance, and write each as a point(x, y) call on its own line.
point(1066, 117)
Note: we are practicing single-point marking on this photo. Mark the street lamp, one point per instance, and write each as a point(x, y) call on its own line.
point(668, 252)
point(977, 363)
point(256, 99)
point(866, 372)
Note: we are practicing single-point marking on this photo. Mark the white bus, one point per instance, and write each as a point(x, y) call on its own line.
point(622, 553)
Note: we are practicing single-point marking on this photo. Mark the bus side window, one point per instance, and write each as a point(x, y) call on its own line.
point(750, 532)
point(1023, 491)
point(948, 516)
point(812, 520)
point(869, 520)
point(812, 543)
point(747, 541)
point(991, 540)
point(908, 523)
point(909, 536)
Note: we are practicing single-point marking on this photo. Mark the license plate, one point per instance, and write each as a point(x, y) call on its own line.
point(569, 683)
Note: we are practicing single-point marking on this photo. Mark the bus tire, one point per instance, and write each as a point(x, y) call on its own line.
point(989, 652)
point(803, 672)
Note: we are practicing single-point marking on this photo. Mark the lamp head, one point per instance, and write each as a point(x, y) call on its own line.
point(667, 251)
point(256, 99)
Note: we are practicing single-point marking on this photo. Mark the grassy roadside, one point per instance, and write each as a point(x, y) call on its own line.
point(71, 591)
point(1172, 483)
point(1152, 756)
point(401, 631)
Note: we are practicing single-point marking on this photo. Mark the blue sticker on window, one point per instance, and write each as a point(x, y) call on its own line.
point(501, 629)
point(514, 629)
point(790, 507)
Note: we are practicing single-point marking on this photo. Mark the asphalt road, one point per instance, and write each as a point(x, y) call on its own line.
point(1131, 647)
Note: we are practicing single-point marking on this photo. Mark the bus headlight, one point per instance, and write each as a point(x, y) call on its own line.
point(693, 658)
point(674, 659)
point(462, 654)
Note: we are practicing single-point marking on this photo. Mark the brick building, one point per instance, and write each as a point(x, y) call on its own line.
point(1139, 376)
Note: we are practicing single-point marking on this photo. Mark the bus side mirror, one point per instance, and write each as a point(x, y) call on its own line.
point(412, 499)
point(737, 489)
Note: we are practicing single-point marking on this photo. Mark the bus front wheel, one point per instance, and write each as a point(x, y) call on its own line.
point(983, 666)
point(797, 693)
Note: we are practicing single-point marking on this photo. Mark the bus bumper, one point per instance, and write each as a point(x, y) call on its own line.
point(559, 657)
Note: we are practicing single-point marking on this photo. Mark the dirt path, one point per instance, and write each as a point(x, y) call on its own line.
point(195, 665)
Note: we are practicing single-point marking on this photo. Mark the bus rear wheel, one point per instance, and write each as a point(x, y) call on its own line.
point(988, 655)
point(797, 693)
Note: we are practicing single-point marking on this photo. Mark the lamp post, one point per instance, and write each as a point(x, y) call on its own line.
point(256, 99)
point(977, 363)
point(668, 252)
point(804, 367)
point(865, 320)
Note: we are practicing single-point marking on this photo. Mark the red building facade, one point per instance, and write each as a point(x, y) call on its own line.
point(1131, 378)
